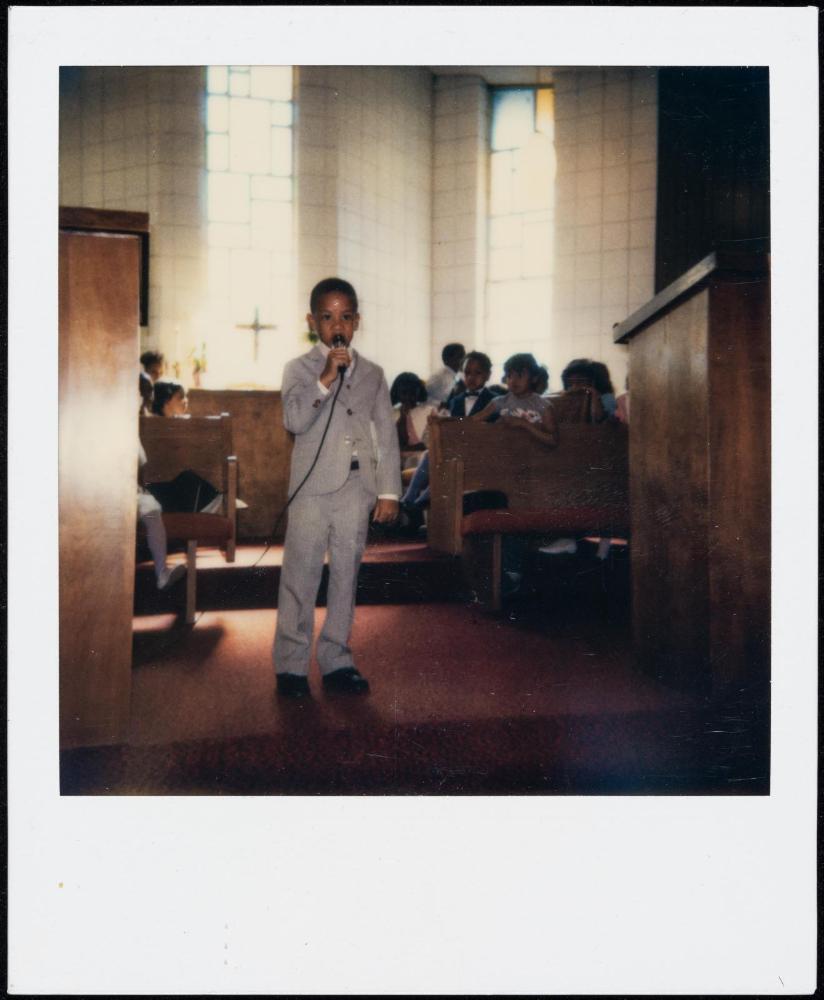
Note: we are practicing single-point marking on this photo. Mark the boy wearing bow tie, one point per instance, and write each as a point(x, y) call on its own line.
point(476, 371)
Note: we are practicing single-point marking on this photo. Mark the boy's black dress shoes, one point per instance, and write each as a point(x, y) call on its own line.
point(292, 686)
point(346, 680)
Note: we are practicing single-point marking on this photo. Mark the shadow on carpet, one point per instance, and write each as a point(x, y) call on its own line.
point(636, 754)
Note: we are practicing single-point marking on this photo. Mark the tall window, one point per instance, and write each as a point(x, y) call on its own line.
point(520, 240)
point(250, 223)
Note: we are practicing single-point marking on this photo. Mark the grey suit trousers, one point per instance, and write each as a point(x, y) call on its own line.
point(336, 523)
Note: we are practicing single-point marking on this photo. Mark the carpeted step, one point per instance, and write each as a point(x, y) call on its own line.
point(402, 574)
point(230, 587)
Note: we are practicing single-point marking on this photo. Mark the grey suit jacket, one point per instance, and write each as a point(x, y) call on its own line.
point(362, 422)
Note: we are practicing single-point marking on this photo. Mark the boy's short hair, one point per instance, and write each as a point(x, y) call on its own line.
point(522, 363)
point(329, 286)
point(452, 351)
point(148, 358)
point(578, 368)
point(408, 380)
point(482, 359)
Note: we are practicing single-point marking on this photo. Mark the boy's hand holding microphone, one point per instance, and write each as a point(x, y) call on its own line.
point(337, 361)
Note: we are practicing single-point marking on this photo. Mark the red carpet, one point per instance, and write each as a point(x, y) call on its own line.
point(543, 699)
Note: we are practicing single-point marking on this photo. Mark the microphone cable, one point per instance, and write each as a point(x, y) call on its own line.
point(274, 530)
point(270, 541)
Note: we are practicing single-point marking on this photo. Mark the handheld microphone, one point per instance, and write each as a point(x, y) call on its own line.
point(338, 341)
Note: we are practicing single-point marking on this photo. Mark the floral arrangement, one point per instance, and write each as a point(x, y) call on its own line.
point(198, 360)
point(198, 363)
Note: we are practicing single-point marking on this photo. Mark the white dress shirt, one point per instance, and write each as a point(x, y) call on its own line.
point(439, 385)
point(469, 402)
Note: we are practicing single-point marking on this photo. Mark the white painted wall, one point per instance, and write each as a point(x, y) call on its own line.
point(606, 147)
point(133, 138)
point(364, 152)
point(459, 221)
point(391, 189)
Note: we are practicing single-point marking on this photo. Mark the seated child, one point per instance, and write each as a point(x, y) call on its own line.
point(603, 386)
point(592, 377)
point(149, 514)
point(579, 378)
point(187, 492)
point(146, 394)
point(441, 386)
point(154, 364)
point(475, 396)
point(476, 371)
point(411, 410)
point(169, 399)
point(522, 409)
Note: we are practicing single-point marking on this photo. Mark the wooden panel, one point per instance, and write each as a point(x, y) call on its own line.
point(98, 306)
point(103, 220)
point(107, 220)
point(700, 485)
point(536, 476)
point(729, 266)
point(713, 164)
point(669, 495)
point(739, 448)
point(263, 450)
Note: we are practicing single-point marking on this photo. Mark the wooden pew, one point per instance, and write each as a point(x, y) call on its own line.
point(572, 407)
point(204, 445)
point(579, 487)
point(263, 448)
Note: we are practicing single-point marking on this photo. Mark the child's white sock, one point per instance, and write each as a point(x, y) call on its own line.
point(170, 575)
point(560, 546)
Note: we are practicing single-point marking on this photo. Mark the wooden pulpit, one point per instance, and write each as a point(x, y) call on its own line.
point(699, 382)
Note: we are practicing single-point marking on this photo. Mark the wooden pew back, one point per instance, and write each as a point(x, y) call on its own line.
point(588, 469)
point(572, 407)
point(263, 450)
point(174, 444)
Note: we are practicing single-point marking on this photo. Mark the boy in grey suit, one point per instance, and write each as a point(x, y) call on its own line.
point(356, 469)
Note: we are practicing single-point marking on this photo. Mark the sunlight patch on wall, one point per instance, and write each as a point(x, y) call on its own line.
point(250, 232)
point(520, 251)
